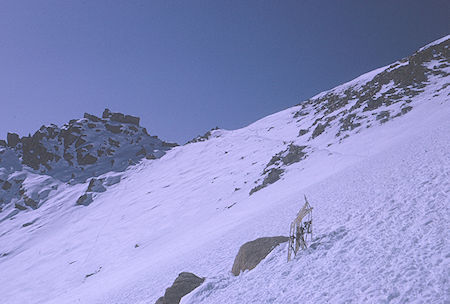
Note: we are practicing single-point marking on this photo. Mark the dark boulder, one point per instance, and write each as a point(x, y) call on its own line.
point(85, 199)
point(119, 117)
point(13, 139)
point(252, 253)
point(96, 185)
point(183, 284)
point(132, 119)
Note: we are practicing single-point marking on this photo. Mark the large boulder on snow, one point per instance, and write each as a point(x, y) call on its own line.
point(96, 185)
point(183, 284)
point(85, 199)
point(253, 252)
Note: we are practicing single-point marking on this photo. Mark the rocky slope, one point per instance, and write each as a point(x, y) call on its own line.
point(73, 153)
point(366, 102)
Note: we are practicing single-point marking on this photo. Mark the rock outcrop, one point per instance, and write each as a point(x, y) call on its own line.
point(203, 137)
point(277, 164)
point(75, 152)
point(183, 284)
point(252, 253)
point(87, 147)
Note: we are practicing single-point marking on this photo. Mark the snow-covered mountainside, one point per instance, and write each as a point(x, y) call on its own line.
point(372, 155)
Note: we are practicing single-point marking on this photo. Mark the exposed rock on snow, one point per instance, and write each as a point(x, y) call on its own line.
point(272, 176)
point(253, 252)
point(276, 166)
point(87, 147)
point(85, 199)
point(75, 152)
point(355, 104)
point(204, 137)
point(96, 185)
point(183, 284)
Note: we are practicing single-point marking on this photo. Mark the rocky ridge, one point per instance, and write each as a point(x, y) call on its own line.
point(73, 153)
point(370, 100)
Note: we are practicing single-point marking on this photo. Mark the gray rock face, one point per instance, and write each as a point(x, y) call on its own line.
point(85, 199)
point(13, 139)
point(252, 253)
point(318, 130)
point(119, 117)
point(273, 175)
point(183, 284)
point(96, 185)
point(293, 155)
point(86, 147)
point(275, 167)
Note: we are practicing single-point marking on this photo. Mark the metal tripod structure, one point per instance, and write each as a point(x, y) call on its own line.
point(300, 234)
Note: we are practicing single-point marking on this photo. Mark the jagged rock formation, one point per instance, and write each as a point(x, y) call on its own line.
point(252, 253)
point(75, 152)
point(183, 284)
point(87, 147)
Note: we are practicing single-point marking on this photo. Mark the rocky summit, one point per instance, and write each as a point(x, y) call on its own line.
point(78, 150)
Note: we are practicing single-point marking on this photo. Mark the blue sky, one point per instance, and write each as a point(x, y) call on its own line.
point(187, 66)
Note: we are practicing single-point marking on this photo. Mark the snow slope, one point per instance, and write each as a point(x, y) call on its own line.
point(379, 185)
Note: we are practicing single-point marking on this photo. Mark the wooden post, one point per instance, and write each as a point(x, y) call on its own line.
point(299, 230)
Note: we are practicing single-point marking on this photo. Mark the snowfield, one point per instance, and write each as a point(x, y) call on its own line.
point(382, 234)
point(381, 218)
